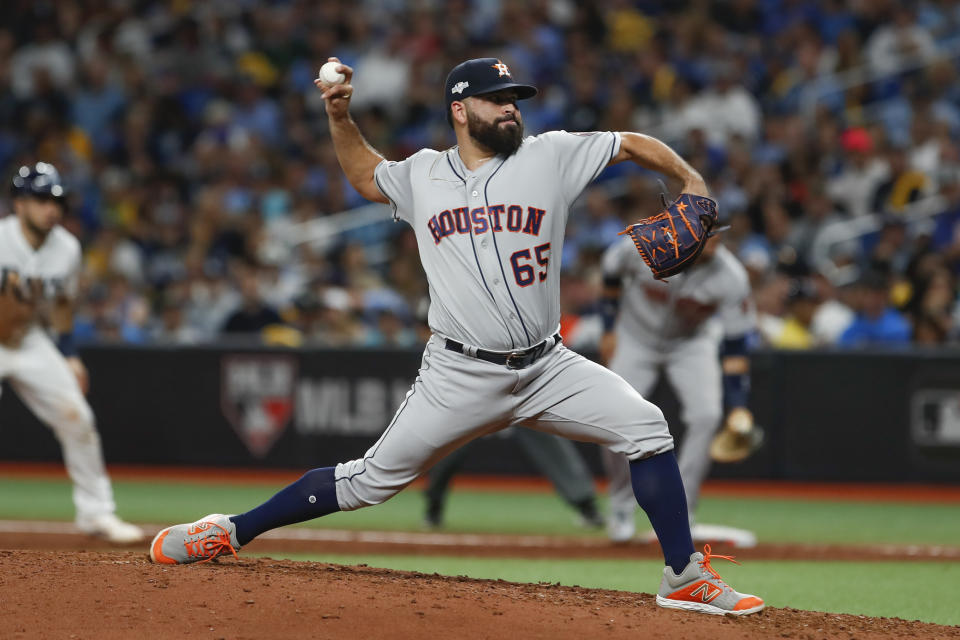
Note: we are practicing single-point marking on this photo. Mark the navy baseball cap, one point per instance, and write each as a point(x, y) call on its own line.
point(482, 75)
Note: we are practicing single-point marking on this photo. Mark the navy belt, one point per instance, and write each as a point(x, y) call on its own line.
point(516, 359)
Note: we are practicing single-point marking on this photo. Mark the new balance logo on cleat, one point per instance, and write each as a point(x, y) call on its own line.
point(699, 588)
point(199, 527)
point(705, 592)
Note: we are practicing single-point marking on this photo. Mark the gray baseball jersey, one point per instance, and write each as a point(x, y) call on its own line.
point(490, 241)
point(675, 327)
point(38, 373)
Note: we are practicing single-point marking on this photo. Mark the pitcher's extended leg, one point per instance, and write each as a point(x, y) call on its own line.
point(447, 407)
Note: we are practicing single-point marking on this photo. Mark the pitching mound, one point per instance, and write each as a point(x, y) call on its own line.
point(104, 595)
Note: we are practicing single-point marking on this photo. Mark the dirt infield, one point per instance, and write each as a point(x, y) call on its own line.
point(120, 594)
point(57, 583)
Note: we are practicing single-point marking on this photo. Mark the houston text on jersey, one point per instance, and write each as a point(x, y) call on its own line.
point(482, 219)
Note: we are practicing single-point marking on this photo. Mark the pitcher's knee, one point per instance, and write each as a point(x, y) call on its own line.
point(361, 484)
point(646, 438)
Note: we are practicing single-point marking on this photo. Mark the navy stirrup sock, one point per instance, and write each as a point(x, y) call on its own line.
point(312, 496)
point(659, 491)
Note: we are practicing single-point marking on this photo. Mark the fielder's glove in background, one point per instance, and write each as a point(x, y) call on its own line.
point(671, 240)
point(738, 438)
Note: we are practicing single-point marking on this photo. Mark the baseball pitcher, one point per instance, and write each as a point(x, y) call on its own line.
point(680, 328)
point(39, 268)
point(489, 216)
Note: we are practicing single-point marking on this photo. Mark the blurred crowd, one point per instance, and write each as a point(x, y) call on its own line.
point(195, 146)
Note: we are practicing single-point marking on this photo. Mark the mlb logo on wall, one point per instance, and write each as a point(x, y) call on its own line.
point(936, 417)
point(256, 397)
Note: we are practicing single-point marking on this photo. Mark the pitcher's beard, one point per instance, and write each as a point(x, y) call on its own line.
point(500, 140)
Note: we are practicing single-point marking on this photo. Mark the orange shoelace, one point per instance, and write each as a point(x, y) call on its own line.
point(212, 546)
point(705, 563)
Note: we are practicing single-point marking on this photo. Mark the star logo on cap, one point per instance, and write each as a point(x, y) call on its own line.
point(502, 68)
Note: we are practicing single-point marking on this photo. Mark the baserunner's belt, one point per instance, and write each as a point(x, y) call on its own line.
point(516, 359)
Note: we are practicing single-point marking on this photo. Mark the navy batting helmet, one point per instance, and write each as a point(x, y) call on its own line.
point(40, 181)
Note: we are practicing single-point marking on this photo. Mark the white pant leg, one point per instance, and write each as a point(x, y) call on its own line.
point(695, 374)
point(639, 365)
point(566, 394)
point(40, 375)
point(454, 399)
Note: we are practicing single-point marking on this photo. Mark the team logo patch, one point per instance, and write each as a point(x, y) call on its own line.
point(459, 87)
point(502, 68)
point(256, 397)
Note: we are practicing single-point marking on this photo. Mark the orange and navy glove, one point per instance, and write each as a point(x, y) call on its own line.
point(671, 240)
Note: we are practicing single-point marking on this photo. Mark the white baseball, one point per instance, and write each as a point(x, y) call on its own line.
point(330, 75)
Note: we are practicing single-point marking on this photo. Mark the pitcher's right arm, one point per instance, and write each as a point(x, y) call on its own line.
point(357, 158)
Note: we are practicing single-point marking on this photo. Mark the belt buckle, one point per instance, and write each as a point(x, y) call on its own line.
point(518, 360)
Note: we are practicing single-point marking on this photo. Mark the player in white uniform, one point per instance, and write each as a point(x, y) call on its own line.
point(39, 268)
point(679, 327)
point(489, 216)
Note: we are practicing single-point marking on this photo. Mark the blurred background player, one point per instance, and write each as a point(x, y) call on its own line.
point(679, 327)
point(39, 269)
point(557, 458)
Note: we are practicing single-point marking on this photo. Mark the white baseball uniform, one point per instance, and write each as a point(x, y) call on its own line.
point(39, 374)
point(490, 242)
point(676, 326)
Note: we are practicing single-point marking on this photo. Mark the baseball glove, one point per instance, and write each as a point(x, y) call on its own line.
point(671, 240)
point(738, 438)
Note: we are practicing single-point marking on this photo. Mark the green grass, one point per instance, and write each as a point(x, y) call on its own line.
point(915, 590)
point(517, 513)
point(910, 590)
point(840, 521)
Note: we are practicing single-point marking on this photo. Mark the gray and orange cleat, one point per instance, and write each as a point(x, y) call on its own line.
point(699, 588)
point(207, 538)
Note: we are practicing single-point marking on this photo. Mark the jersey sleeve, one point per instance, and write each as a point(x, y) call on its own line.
point(395, 181)
point(580, 157)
